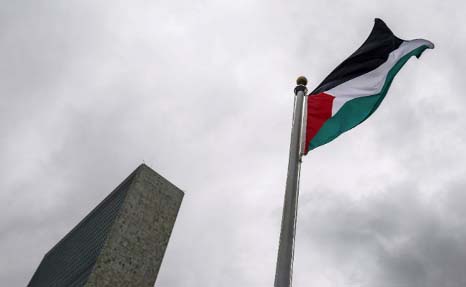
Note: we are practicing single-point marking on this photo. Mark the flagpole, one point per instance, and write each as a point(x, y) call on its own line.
point(284, 269)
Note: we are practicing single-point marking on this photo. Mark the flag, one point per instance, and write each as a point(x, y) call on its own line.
point(354, 90)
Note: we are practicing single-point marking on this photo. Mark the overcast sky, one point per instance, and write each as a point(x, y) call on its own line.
point(201, 91)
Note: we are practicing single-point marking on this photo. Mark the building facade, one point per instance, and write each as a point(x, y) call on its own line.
point(121, 242)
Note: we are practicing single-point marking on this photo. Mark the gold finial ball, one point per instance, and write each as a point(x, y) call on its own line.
point(301, 80)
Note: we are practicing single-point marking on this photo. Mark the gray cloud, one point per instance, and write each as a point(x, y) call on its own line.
point(398, 237)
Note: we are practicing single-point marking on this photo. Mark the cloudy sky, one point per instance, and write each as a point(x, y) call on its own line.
point(201, 91)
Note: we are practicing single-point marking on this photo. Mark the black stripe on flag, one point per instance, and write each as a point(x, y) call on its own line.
point(373, 53)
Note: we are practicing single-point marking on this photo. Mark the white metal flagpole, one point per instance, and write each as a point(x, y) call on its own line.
point(283, 274)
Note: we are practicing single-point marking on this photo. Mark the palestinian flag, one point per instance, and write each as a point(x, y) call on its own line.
point(354, 90)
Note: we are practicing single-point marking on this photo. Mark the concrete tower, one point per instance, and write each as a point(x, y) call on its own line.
point(119, 243)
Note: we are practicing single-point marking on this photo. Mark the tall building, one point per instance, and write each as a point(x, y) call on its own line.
point(119, 243)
